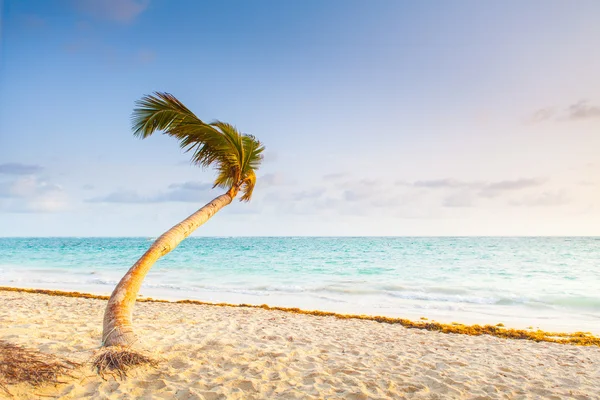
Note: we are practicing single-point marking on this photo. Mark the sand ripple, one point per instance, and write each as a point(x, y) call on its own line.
point(210, 352)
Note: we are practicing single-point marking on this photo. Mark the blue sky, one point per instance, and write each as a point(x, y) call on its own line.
point(380, 118)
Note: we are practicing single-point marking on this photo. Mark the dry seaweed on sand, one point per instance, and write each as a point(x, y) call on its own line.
point(21, 365)
point(575, 338)
point(116, 361)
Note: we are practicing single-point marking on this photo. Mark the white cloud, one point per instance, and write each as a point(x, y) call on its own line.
point(30, 194)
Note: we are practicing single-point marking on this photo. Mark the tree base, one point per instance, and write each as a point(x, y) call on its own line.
point(118, 360)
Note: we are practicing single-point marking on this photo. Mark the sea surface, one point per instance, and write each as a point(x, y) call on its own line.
point(547, 283)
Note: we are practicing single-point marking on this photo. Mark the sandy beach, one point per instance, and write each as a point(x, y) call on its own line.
point(210, 352)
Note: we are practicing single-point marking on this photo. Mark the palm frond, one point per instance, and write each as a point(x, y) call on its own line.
point(160, 111)
point(252, 158)
point(253, 150)
point(235, 156)
point(233, 138)
point(247, 186)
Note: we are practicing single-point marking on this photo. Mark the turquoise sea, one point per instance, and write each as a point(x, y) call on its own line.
point(550, 283)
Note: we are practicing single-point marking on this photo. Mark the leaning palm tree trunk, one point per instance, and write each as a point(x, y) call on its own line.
point(234, 155)
point(117, 328)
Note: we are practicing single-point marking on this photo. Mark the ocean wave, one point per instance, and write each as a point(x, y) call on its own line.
point(440, 297)
point(576, 302)
point(348, 291)
point(99, 281)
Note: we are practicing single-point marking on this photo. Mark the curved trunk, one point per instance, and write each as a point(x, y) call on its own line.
point(117, 328)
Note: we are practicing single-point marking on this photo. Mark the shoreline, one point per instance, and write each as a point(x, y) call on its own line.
point(573, 338)
point(239, 352)
point(525, 285)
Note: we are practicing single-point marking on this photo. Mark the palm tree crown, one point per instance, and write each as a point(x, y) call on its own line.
point(234, 155)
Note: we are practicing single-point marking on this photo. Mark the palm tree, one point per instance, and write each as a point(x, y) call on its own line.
point(234, 155)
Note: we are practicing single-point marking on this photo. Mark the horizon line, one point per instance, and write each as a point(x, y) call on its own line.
point(305, 236)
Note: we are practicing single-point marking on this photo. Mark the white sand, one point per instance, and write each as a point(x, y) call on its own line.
point(210, 352)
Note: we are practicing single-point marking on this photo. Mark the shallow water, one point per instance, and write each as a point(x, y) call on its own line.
point(550, 283)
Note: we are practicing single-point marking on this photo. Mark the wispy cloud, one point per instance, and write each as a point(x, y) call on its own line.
point(461, 199)
point(465, 193)
point(581, 110)
point(314, 193)
point(19, 169)
point(335, 176)
point(355, 195)
point(442, 184)
point(121, 196)
point(268, 180)
point(494, 189)
point(546, 199)
point(360, 189)
point(416, 199)
point(191, 185)
point(122, 11)
point(541, 115)
point(189, 192)
point(484, 189)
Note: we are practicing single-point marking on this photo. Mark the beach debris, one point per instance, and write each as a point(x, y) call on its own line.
point(117, 361)
point(572, 338)
point(22, 365)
